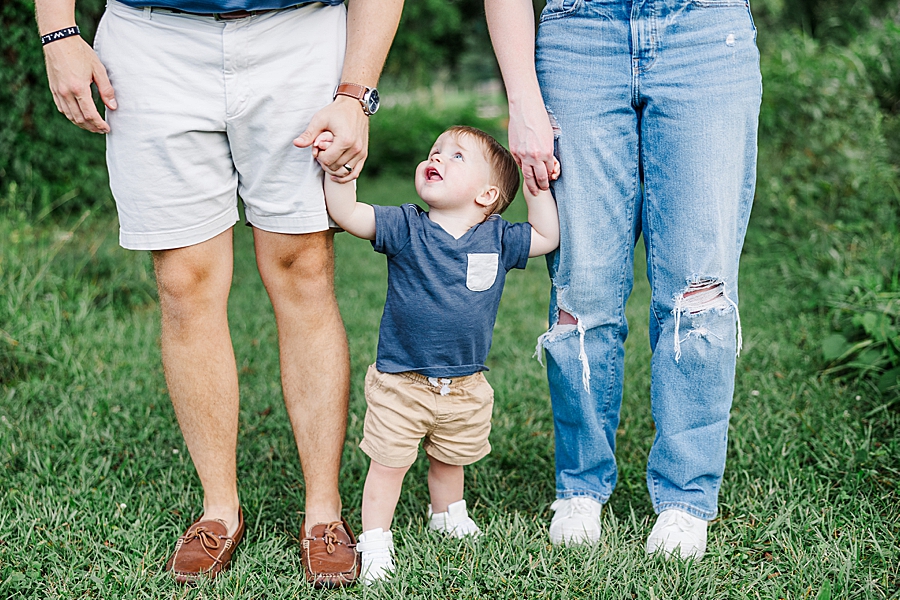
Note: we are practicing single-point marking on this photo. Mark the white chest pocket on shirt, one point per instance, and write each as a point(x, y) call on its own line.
point(481, 271)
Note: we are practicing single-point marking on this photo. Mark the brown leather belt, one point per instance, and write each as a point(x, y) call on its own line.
point(228, 16)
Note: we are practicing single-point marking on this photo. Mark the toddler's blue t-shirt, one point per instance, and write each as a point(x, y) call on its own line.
point(443, 293)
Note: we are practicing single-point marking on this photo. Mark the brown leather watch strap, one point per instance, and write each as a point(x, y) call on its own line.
point(354, 90)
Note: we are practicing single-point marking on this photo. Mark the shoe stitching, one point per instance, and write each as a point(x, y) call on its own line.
point(208, 540)
point(331, 539)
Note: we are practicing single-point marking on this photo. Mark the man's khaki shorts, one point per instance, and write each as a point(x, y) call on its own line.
point(404, 408)
point(208, 110)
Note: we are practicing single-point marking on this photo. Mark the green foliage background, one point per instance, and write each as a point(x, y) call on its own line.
point(44, 160)
point(829, 143)
point(95, 481)
point(828, 191)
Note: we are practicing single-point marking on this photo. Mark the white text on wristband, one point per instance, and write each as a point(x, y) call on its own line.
point(61, 34)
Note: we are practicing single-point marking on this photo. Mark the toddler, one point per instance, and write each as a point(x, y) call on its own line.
point(446, 270)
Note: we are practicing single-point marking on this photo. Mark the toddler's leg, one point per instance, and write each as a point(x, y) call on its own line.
point(445, 484)
point(447, 511)
point(380, 495)
point(376, 544)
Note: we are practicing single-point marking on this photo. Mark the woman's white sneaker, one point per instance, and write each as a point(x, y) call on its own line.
point(676, 529)
point(575, 521)
point(376, 549)
point(456, 521)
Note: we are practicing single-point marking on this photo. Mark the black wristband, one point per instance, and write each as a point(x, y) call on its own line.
point(58, 35)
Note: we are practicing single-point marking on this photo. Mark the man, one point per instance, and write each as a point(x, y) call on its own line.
point(204, 98)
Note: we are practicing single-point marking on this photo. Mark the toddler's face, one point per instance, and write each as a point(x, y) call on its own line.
point(455, 173)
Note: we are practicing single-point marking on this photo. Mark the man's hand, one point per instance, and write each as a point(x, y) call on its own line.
point(72, 65)
point(350, 126)
point(531, 143)
point(371, 25)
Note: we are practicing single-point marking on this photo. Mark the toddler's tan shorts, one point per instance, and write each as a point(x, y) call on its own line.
point(404, 408)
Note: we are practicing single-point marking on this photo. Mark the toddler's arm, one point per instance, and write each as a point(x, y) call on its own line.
point(544, 218)
point(340, 199)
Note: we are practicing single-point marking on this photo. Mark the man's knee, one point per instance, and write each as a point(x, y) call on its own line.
point(301, 266)
point(188, 287)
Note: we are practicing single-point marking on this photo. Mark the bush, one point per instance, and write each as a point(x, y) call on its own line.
point(47, 159)
point(867, 339)
point(827, 20)
point(829, 192)
point(52, 163)
point(826, 186)
point(879, 51)
point(401, 136)
point(822, 125)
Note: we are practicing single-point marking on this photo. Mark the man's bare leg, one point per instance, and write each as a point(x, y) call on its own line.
point(298, 272)
point(198, 359)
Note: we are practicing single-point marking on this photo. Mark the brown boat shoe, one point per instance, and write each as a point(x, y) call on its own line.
point(329, 554)
point(204, 550)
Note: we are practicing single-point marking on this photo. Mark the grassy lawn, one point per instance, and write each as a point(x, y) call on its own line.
point(96, 484)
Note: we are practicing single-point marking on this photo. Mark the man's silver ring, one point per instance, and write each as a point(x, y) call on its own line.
point(349, 168)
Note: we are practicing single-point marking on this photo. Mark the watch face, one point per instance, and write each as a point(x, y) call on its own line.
point(372, 101)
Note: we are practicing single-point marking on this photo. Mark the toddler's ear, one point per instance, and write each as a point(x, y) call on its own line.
point(488, 197)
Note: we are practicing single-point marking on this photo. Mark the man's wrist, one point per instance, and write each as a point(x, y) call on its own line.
point(366, 96)
point(351, 103)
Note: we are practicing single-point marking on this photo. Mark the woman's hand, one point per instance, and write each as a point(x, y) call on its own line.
point(531, 143)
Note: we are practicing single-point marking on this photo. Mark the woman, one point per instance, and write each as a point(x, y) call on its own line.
point(651, 107)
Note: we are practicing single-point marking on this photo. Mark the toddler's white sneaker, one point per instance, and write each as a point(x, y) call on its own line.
point(376, 549)
point(676, 529)
point(456, 521)
point(575, 521)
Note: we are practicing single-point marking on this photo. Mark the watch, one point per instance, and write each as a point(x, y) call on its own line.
point(368, 97)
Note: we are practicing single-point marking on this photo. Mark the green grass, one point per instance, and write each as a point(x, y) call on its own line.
point(96, 484)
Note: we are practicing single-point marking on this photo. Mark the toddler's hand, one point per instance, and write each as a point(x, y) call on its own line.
point(554, 173)
point(322, 142)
